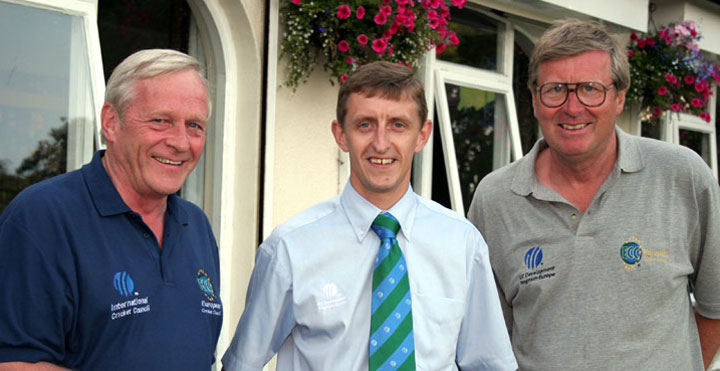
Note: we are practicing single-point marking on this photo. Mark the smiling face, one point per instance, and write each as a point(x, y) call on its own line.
point(573, 131)
point(159, 139)
point(381, 136)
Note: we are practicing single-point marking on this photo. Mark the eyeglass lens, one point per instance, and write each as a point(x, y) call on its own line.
point(591, 94)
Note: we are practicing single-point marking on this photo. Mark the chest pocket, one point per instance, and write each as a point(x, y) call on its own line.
point(436, 324)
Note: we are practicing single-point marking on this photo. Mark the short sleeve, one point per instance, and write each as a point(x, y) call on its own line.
point(707, 239)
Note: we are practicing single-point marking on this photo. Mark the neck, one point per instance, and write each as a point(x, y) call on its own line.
point(381, 200)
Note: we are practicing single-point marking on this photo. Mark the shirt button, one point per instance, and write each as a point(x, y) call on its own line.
point(573, 216)
point(146, 235)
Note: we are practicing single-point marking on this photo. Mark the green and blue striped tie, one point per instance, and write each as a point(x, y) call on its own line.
point(391, 331)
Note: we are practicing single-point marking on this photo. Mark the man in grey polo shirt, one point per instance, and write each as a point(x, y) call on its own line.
point(596, 237)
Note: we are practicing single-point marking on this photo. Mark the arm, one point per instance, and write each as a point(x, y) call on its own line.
point(483, 342)
point(267, 319)
point(709, 331)
point(25, 366)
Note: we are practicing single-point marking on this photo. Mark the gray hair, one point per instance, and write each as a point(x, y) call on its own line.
point(145, 64)
point(572, 37)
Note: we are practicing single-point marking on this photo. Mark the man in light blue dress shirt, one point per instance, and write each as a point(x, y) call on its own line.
point(309, 298)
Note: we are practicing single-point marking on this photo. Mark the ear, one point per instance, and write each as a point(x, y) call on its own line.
point(110, 120)
point(424, 136)
point(339, 134)
point(620, 101)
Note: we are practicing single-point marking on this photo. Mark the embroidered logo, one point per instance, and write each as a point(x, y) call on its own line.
point(333, 297)
point(631, 253)
point(205, 285)
point(123, 283)
point(533, 257)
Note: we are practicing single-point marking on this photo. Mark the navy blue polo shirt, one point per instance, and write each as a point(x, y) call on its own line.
point(85, 284)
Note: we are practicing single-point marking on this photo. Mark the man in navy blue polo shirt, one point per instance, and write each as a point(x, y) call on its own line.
point(105, 268)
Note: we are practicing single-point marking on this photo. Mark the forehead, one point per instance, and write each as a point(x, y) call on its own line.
point(588, 66)
point(376, 103)
point(182, 88)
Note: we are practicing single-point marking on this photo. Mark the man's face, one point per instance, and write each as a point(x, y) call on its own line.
point(162, 135)
point(574, 131)
point(381, 136)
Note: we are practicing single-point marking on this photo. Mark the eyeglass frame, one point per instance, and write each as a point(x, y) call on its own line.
point(568, 90)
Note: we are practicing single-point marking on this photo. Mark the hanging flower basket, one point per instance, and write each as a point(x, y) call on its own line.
point(668, 72)
point(355, 32)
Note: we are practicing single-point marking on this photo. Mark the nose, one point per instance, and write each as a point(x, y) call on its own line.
point(573, 105)
point(178, 137)
point(380, 141)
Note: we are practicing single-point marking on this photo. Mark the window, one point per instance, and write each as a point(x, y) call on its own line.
point(50, 92)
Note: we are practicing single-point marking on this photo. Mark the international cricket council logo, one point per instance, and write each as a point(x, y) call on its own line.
point(631, 253)
point(205, 285)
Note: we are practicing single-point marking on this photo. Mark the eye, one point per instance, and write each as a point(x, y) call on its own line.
point(196, 128)
point(364, 125)
point(399, 125)
point(557, 89)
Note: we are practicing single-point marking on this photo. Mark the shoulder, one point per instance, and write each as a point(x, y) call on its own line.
point(39, 201)
point(673, 160)
point(439, 217)
point(302, 220)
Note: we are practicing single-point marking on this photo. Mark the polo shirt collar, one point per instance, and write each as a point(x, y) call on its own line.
point(106, 198)
point(361, 213)
point(525, 182)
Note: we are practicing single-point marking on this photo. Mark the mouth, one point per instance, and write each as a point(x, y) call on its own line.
point(167, 161)
point(574, 127)
point(381, 161)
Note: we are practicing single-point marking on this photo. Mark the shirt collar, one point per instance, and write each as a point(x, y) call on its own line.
point(629, 160)
point(361, 213)
point(106, 198)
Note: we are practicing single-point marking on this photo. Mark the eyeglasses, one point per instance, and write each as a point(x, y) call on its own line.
point(589, 93)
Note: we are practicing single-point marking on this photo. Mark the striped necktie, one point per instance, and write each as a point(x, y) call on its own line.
point(391, 334)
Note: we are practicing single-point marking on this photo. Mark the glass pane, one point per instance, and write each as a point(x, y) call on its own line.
point(527, 122)
point(473, 115)
point(650, 129)
point(40, 96)
point(698, 142)
point(478, 36)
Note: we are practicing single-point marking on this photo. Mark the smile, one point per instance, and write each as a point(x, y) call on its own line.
point(573, 127)
point(382, 161)
point(167, 161)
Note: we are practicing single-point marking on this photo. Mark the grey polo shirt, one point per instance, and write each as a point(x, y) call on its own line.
point(607, 289)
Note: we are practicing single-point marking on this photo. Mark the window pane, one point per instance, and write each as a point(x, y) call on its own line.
point(40, 96)
point(651, 130)
point(474, 114)
point(527, 122)
point(478, 36)
point(698, 142)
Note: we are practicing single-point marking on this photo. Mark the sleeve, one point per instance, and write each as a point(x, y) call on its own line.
point(36, 300)
point(483, 342)
point(267, 319)
point(707, 244)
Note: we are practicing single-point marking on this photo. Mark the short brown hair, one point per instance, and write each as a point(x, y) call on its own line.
point(385, 79)
point(572, 37)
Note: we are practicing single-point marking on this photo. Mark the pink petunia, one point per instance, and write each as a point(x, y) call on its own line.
point(393, 29)
point(662, 34)
point(662, 90)
point(696, 102)
point(343, 78)
point(343, 12)
point(454, 39)
point(631, 53)
point(362, 39)
point(656, 111)
point(693, 33)
point(650, 41)
point(675, 107)
point(705, 116)
point(633, 37)
point(700, 87)
point(670, 78)
point(350, 60)
point(689, 79)
point(432, 15)
point(668, 40)
point(343, 46)
point(435, 3)
point(434, 23)
point(296, 2)
point(380, 18)
point(360, 12)
point(401, 2)
point(387, 10)
point(379, 45)
point(458, 3)
point(641, 44)
point(439, 48)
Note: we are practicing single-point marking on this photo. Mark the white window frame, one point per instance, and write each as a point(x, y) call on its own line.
point(80, 140)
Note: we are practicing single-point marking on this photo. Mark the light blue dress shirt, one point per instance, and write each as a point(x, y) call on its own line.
point(309, 297)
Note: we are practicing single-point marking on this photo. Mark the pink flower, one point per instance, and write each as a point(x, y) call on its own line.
point(379, 45)
point(362, 39)
point(432, 15)
point(401, 2)
point(705, 116)
point(296, 2)
point(343, 46)
point(454, 39)
point(387, 10)
point(641, 44)
point(633, 37)
point(435, 3)
point(458, 3)
point(697, 102)
point(360, 12)
point(670, 78)
point(439, 48)
point(661, 33)
point(343, 78)
point(380, 18)
point(700, 87)
point(662, 91)
point(689, 79)
point(675, 107)
point(343, 12)
point(350, 60)
point(656, 111)
point(693, 33)
point(434, 23)
point(390, 50)
point(650, 41)
point(631, 53)
point(667, 40)
point(393, 29)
